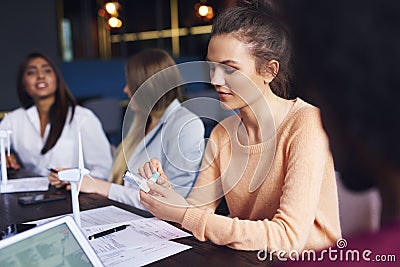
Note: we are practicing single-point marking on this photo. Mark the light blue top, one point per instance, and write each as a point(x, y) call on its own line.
point(178, 142)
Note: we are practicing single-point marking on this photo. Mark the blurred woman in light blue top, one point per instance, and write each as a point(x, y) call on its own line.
point(161, 128)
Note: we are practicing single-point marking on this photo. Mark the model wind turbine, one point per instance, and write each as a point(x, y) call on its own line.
point(4, 135)
point(73, 176)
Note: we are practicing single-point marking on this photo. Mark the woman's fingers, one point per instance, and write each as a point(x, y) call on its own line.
point(55, 180)
point(166, 204)
point(11, 162)
point(164, 182)
point(151, 167)
point(148, 170)
point(157, 188)
point(141, 171)
point(158, 167)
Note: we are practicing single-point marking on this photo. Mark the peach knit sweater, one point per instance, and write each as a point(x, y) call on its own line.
point(280, 201)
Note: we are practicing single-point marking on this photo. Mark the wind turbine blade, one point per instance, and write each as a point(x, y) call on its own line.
point(8, 144)
point(80, 164)
point(91, 178)
point(79, 187)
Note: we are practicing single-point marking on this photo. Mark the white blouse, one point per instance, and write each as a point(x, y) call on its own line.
point(27, 143)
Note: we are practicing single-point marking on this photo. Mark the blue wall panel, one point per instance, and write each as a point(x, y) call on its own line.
point(94, 78)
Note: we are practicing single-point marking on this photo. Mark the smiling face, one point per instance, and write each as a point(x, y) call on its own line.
point(235, 78)
point(39, 79)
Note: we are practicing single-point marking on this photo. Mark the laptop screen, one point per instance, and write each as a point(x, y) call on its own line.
point(56, 246)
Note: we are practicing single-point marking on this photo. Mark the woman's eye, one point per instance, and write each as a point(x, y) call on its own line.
point(48, 71)
point(225, 68)
point(229, 70)
point(212, 67)
point(30, 72)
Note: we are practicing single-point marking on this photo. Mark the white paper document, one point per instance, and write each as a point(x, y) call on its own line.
point(107, 215)
point(138, 232)
point(25, 185)
point(142, 242)
point(141, 255)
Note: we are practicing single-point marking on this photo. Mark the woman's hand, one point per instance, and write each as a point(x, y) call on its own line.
point(154, 165)
point(89, 185)
point(55, 180)
point(12, 162)
point(95, 185)
point(162, 201)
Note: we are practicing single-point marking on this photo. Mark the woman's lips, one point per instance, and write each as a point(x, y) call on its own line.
point(223, 94)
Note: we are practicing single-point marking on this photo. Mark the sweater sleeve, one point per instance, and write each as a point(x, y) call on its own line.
point(306, 156)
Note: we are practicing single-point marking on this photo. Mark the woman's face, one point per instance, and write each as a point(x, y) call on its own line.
point(132, 103)
point(39, 79)
point(127, 91)
point(235, 77)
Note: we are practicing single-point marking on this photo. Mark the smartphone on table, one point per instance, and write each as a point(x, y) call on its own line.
point(34, 199)
point(15, 228)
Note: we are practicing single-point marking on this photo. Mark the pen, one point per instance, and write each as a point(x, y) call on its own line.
point(52, 170)
point(109, 231)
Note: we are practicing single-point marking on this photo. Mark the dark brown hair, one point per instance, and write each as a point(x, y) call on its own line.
point(63, 100)
point(256, 23)
point(156, 93)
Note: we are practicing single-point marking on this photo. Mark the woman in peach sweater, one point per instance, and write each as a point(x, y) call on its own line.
point(272, 161)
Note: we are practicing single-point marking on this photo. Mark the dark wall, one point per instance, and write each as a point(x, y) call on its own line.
point(26, 25)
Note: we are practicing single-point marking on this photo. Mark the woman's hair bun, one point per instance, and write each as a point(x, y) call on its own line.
point(256, 4)
point(263, 6)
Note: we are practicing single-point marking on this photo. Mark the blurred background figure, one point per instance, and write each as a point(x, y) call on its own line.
point(45, 128)
point(347, 54)
point(161, 128)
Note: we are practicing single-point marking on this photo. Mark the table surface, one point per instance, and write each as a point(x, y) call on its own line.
point(201, 253)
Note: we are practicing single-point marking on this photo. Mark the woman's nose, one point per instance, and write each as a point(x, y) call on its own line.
point(217, 77)
point(127, 91)
point(40, 74)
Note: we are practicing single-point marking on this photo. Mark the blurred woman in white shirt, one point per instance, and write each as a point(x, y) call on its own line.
point(45, 129)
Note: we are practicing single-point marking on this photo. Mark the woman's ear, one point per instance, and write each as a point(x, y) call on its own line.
point(272, 69)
